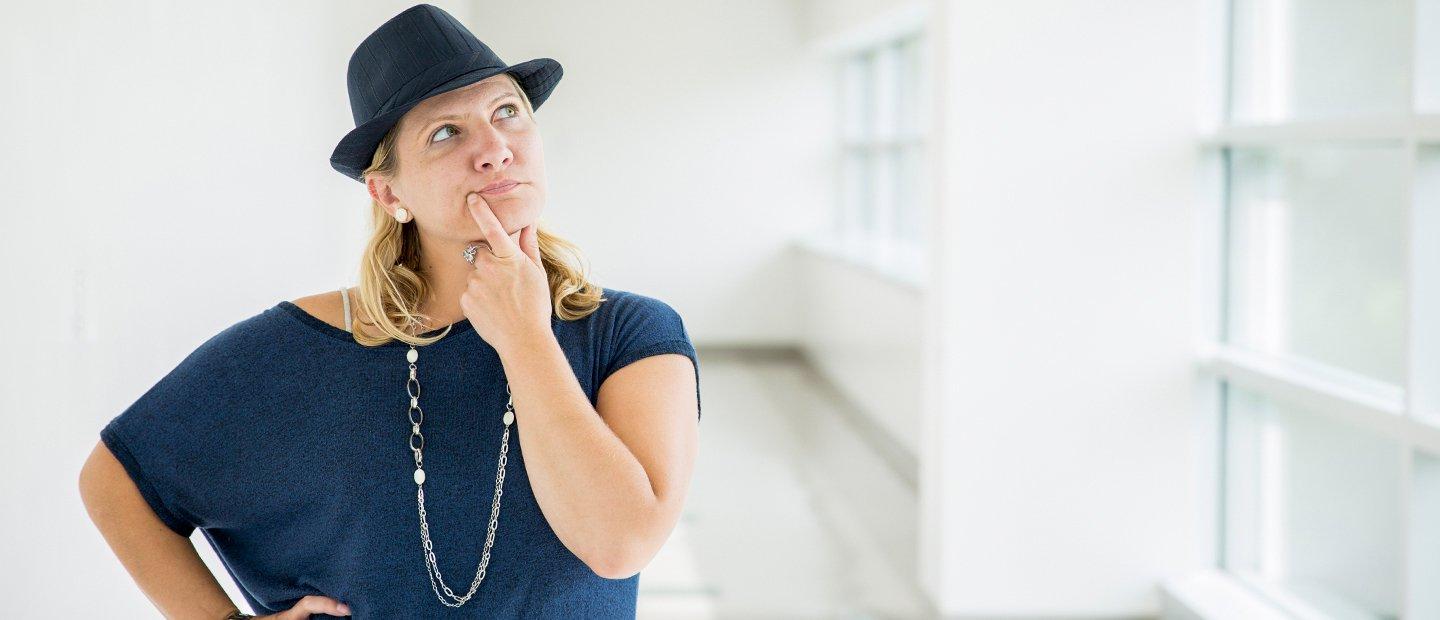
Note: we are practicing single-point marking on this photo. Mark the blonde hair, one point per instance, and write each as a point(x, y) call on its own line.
point(392, 282)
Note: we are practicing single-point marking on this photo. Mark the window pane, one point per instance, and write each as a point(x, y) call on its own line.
point(885, 87)
point(1316, 241)
point(1425, 544)
point(854, 194)
point(909, 76)
point(1312, 507)
point(908, 207)
point(1304, 59)
point(1425, 278)
point(1427, 55)
point(883, 192)
point(855, 98)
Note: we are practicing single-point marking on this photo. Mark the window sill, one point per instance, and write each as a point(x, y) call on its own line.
point(1214, 594)
point(1374, 406)
point(911, 276)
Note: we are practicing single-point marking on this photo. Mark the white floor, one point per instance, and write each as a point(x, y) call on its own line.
point(765, 534)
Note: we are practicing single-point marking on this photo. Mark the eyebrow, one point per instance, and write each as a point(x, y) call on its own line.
point(456, 117)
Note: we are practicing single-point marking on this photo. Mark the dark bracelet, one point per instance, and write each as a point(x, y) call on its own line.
point(238, 615)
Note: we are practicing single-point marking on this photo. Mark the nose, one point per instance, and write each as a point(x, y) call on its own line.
point(493, 154)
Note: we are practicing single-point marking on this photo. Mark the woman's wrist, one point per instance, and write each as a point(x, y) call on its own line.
point(236, 614)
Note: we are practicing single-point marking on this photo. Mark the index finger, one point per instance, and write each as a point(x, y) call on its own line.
point(490, 227)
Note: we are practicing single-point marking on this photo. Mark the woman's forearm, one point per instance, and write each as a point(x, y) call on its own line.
point(165, 565)
point(592, 490)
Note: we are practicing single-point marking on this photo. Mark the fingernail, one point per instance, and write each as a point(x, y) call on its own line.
point(344, 609)
point(471, 198)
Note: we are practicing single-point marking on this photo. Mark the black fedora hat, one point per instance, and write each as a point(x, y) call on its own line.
point(418, 54)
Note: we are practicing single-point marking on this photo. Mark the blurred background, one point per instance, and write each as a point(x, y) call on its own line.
point(1029, 309)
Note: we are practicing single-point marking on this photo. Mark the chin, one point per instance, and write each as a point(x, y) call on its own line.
point(511, 233)
point(519, 218)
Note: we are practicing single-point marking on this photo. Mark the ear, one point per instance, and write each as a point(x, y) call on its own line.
point(381, 192)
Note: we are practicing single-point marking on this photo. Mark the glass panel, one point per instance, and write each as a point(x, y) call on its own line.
point(854, 194)
point(855, 98)
point(908, 86)
point(1312, 508)
point(885, 88)
point(1425, 546)
point(1427, 55)
point(883, 193)
point(1425, 278)
point(1316, 241)
point(1306, 59)
point(908, 208)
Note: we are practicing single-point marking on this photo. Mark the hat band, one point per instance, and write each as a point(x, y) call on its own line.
point(427, 79)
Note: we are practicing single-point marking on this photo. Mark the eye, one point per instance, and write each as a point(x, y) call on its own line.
point(437, 132)
point(514, 112)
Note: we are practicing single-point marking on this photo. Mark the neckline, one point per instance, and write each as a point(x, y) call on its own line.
point(457, 329)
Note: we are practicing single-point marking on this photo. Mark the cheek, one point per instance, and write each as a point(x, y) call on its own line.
point(534, 158)
point(529, 150)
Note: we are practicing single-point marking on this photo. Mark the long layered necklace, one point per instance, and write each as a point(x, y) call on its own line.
point(416, 416)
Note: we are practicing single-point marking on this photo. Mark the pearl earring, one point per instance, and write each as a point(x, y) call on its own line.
point(402, 215)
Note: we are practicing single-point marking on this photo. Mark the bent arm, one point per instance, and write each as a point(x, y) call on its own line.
point(164, 564)
point(611, 479)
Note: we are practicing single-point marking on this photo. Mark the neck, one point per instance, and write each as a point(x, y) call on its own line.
point(448, 274)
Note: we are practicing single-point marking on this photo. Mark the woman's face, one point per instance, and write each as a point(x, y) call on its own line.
point(459, 142)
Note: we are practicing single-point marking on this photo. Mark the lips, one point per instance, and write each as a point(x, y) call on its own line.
point(499, 186)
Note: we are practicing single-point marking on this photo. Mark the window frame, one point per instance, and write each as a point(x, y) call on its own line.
point(1409, 413)
point(881, 249)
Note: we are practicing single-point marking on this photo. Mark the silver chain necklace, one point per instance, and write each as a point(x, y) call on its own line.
point(412, 387)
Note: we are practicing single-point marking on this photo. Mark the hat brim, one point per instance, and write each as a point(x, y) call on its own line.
point(537, 78)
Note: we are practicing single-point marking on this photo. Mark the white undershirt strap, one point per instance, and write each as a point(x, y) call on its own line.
point(344, 295)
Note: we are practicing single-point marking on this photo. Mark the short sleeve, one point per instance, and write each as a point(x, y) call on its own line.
point(644, 326)
point(160, 438)
point(138, 463)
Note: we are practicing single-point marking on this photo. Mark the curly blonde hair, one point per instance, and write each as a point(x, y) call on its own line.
point(392, 282)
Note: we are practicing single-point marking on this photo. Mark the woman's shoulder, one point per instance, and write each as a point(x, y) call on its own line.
point(327, 306)
point(622, 307)
point(628, 311)
point(621, 300)
point(228, 353)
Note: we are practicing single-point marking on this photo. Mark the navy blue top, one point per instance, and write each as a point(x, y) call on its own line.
point(287, 444)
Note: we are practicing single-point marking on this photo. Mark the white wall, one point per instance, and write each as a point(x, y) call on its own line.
point(863, 331)
point(832, 19)
point(1060, 456)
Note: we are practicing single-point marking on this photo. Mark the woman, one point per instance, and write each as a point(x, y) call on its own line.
point(300, 440)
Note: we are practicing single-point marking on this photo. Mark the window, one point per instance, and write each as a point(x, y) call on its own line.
point(1327, 356)
point(878, 220)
